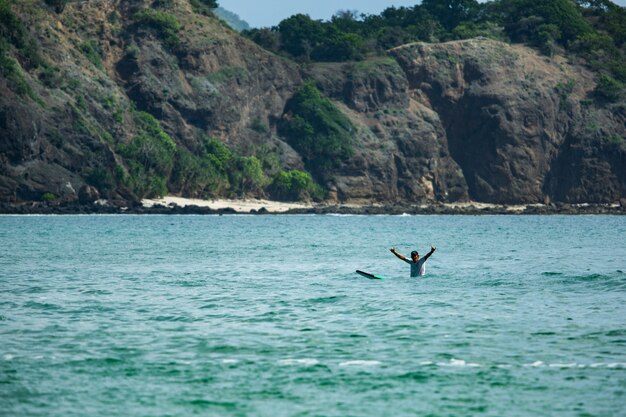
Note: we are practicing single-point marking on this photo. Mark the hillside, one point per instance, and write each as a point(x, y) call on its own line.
point(132, 99)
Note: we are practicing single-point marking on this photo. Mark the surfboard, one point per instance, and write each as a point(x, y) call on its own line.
point(369, 276)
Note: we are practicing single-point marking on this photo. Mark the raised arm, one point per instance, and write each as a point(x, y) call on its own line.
point(393, 250)
point(432, 250)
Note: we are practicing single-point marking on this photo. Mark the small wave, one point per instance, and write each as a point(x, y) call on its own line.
point(414, 376)
point(172, 318)
point(96, 292)
point(573, 365)
point(304, 362)
point(324, 300)
point(360, 363)
point(459, 363)
point(563, 365)
point(543, 334)
point(42, 306)
point(8, 357)
point(609, 282)
point(201, 403)
point(230, 361)
point(535, 364)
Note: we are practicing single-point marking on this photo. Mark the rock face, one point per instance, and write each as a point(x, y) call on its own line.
point(401, 152)
point(475, 119)
point(88, 194)
point(517, 124)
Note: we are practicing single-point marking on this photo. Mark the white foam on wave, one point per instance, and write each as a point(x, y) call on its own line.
point(304, 362)
point(426, 363)
point(360, 363)
point(8, 357)
point(572, 365)
point(616, 365)
point(459, 363)
point(562, 365)
point(229, 361)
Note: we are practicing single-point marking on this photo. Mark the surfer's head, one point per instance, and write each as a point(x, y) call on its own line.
point(415, 256)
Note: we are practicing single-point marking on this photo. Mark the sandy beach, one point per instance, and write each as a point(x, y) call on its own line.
point(247, 205)
point(241, 206)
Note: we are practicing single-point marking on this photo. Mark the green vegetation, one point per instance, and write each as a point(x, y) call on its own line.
point(150, 157)
point(592, 29)
point(318, 130)
point(12, 30)
point(609, 88)
point(15, 38)
point(533, 20)
point(295, 185)
point(204, 7)
point(258, 126)
point(50, 77)
point(102, 179)
point(49, 197)
point(205, 173)
point(615, 140)
point(564, 90)
point(247, 175)
point(348, 36)
point(227, 73)
point(164, 24)
point(11, 70)
point(91, 50)
point(57, 5)
point(215, 170)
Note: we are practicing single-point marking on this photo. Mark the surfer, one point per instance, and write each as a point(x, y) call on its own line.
point(418, 266)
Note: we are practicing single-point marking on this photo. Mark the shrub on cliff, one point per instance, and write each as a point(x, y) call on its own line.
point(165, 24)
point(214, 170)
point(246, 176)
point(199, 175)
point(57, 5)
point(318, 130)
point(609, 88)
point(295, 185)
point(204, 7)
point(149, 156)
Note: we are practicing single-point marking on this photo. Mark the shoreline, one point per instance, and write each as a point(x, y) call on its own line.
point(178, 205)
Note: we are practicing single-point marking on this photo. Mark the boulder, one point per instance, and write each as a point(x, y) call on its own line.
point(88, 194)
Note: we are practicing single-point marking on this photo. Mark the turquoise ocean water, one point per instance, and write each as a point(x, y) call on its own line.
point(264, 316)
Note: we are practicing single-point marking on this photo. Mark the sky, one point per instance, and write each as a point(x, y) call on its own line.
point(261, 13)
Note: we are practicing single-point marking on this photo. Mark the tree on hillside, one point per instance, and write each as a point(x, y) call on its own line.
point(57, 5)
point(318, 130)
point(523, 18)
point(265, 37)
point(300, 35)
point(451, 13)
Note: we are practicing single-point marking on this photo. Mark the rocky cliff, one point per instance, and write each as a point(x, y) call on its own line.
point(522, 126)
point(475, 119)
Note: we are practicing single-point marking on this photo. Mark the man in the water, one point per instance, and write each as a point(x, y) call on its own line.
point(418, 266)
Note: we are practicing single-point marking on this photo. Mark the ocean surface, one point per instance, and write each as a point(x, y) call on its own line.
point(264, 316)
